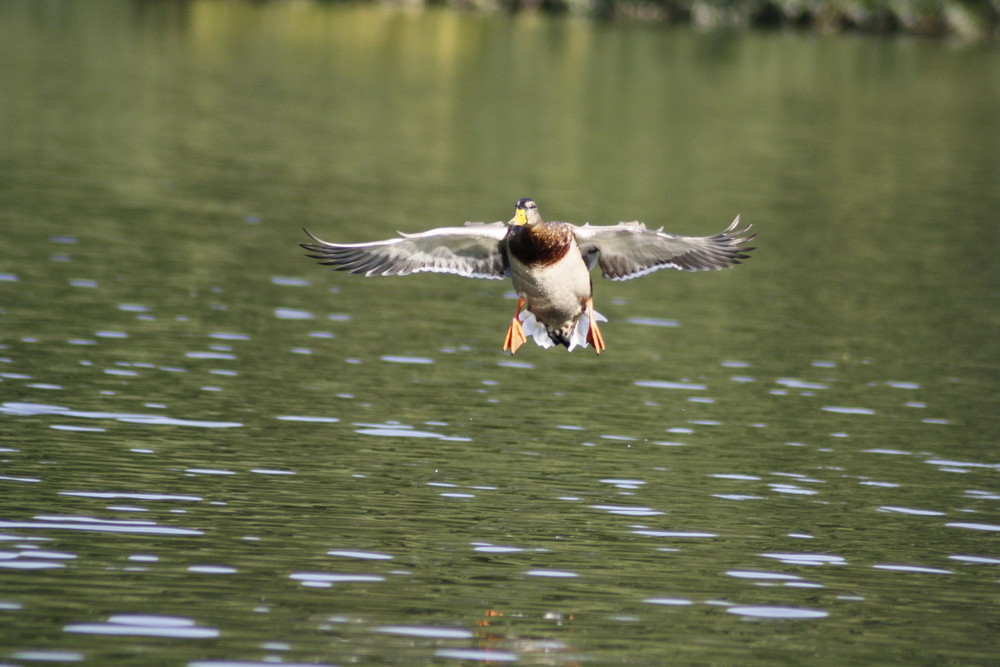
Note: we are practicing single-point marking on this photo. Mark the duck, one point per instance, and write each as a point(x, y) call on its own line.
point(548, 263)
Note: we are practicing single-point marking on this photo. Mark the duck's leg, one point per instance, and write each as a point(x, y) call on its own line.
point(515, 333)
point(594, 336)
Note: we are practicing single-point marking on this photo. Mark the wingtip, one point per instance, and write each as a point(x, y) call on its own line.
point(735, 232)
point(313, 236)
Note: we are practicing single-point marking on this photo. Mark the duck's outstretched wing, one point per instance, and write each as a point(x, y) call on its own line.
point(629, 250)
point(474, 251)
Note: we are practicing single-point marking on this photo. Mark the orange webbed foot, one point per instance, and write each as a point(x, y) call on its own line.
point(515, 337)
point(594, 336)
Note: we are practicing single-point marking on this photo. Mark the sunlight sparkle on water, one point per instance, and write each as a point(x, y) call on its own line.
point(786, 613)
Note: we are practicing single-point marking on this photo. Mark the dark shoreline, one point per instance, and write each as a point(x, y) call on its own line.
point(971, 19)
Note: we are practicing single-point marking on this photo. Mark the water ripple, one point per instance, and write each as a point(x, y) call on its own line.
point(478, 655)
point(666, 384)
point(673, 533)
point(653, 322)
point(912, 568)
point(847, 411)
point(304, 418)
point(794, 383)
point(908, 510)
point(146, 626)
point(974, 526)
point(98, 525)
point(807, 559)
point(626, 510)
point(32, 409)
point(364, 555)
point(402, 359)
point(226, 335)
point(787, 613)
point(425, 631)
point(753, 574)
point(210, 355)
point(289, 281)
point(404, 431)
point(979, 560)
point(49, 656)
point(134, 496)
point(963, 464)
point(329, 578)
point(212, 569)
point(292, 314)
point(496, 549)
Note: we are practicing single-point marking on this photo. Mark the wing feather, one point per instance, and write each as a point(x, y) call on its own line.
point(474, 251)
point(630, 250)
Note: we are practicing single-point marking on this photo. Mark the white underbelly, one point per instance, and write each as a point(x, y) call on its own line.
point(554, 293)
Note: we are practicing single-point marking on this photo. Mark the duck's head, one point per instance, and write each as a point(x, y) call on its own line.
point(525, 213)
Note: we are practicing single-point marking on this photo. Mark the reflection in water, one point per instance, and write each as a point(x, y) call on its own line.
point(31, 409)
point(146, 626)
point(403, 431)
point(420, 631)
point(778, 612)
point(365, 555)
point(396, 359)
point(325, 580)
point(98, 525)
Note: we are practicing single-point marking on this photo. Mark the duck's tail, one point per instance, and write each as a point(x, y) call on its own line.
point(573, 334)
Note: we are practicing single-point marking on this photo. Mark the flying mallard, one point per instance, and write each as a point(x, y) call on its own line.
point(548, 262)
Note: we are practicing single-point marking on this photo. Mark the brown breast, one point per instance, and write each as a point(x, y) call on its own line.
point(539, 245)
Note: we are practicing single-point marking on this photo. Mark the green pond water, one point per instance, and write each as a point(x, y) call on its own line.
point(216, 453)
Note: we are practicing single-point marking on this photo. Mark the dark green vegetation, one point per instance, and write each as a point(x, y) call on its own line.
point(966, 18)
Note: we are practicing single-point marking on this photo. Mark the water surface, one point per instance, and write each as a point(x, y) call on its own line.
point(214, 452)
